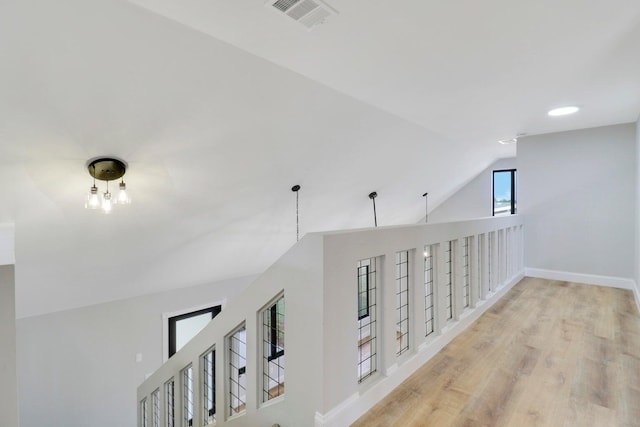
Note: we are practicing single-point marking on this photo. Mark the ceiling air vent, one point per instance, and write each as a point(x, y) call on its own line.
point(306, 12)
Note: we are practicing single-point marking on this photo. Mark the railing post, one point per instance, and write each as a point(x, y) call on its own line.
point(440, 291)
point(474, 276)
point(484, 264)
point(387, 320)
point(493, 267)
point(457, 278)
point(416, 299)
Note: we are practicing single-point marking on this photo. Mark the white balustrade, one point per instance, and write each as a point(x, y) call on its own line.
point(319, 280)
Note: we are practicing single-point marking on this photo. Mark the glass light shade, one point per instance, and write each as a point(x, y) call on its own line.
point(123, 196)
point(107, 205)
point(93, 201)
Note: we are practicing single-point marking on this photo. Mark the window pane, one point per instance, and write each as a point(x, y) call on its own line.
point(503, 203)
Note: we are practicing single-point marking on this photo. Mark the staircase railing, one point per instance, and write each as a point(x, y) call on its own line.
point(335, 324)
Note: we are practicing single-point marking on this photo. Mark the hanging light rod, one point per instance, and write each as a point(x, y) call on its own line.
point(373, 196)
point(106, 169)
point(426, 207)
point(295, 189)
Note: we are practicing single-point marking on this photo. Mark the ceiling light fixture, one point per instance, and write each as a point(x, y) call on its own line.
point(563, 111)
point(106, 169)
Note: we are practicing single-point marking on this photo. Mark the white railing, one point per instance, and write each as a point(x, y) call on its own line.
point(324, 337)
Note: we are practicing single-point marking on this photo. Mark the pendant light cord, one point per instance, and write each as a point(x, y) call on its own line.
point(295, 189)
point(373, 196)
point(426, 207)
point(375, 217)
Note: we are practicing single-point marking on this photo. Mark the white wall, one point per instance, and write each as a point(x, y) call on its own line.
point(8, 381)
point(637, 216)
point(298, 274)
point(577, 194)
point(474, 200)
point(78, 368)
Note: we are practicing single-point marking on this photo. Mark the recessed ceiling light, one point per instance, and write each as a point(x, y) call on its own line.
point(563, 111)
point(508, 141)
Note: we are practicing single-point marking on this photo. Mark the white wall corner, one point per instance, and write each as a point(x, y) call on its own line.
point(326, 419)
point(7, 244)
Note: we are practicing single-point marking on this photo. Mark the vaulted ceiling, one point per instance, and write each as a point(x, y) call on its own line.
point(220, 106)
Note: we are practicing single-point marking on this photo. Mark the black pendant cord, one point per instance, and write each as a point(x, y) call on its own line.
point(373, 196)
point(426, 207)
point(295, 189)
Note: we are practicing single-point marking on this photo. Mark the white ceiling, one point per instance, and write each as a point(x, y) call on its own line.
point(220, 106)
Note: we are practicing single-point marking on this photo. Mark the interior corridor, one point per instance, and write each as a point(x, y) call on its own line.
point(547, 354)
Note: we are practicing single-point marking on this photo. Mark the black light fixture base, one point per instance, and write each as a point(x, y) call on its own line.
point(373, 195)
point(107, 168)
point(295, 188)
point(425, 195)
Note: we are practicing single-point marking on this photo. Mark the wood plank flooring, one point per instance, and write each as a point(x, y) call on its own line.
point(548, 353)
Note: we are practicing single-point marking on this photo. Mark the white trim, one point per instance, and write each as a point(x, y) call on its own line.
point(357, 404)
point(167, 315)
point(322, 420)
point(636, 293)
point(587, 279)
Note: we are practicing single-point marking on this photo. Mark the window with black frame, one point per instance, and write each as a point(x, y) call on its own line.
point(273, 350)
point(363, 291)
point(185, 326)
point(208, 363)
point(504, 192)
point(367, 319)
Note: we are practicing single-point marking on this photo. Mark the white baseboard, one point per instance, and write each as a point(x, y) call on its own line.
point(588, 279)
point(356, 405)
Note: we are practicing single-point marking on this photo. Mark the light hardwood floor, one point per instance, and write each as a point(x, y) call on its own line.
point(548, 353)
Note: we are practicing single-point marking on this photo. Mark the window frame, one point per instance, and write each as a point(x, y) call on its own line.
point(363, 309)
point(205, 368)
point(274, 353)
point(172, 321)
point(272, 325)
point(513, 173)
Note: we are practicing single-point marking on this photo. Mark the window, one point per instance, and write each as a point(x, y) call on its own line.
point(185, 326)
point(367, 324)
point(273, 350)
point(208, 362)
point(237, 371)
point(428, 290)
point(170, 393)
point(363, 291)
point(504, 192)
point(448, 285)
point(155, 401)
point(143, 413)
point(187, 397)
point(402, 302)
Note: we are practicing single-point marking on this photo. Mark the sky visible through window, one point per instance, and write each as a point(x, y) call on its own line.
point(502, 192)
point(502, 186)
